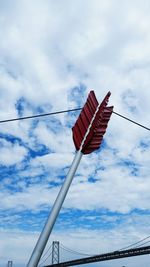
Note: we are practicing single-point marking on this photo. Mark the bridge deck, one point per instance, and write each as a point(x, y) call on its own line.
point(105, 257)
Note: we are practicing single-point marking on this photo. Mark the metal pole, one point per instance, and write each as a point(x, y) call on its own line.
point(41, 243)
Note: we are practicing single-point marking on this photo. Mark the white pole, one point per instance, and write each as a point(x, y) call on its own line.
point(43, 238)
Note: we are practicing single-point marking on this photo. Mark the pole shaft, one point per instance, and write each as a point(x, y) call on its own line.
point(43, 238)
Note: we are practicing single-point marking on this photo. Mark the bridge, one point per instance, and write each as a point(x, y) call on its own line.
point(105, 257)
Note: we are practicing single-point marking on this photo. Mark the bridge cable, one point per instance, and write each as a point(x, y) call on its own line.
point(73, 251)
point(132, 245)
point(142, 244)
point(41, 264)
point(46, 252)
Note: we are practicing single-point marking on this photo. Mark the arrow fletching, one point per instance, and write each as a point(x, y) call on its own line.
point(91, 124)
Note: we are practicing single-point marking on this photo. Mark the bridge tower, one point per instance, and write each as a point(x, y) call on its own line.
point(10, 264)
point(55, 252)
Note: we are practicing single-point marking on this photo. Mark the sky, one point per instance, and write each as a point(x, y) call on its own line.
point(52, 53)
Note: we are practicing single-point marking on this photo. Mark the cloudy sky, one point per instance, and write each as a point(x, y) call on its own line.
point(52, 53)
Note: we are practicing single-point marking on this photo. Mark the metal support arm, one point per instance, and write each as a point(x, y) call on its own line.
point(41, 243)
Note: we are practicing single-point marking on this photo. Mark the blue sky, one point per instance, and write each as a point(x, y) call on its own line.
point(52, 53)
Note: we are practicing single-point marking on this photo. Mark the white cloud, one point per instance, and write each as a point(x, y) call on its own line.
point(11, 153)
point(32, 198)
point(57, 141)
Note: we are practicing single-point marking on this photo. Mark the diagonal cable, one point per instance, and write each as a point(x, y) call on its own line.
point(65, 111)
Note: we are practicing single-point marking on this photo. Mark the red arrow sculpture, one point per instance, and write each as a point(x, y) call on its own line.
point(91, 124)
point(88, 133)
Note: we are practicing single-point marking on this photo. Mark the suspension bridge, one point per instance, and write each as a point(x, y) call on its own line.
point(53, 254)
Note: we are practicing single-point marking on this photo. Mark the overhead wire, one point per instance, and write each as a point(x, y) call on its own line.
point(39, 115)
point(145, 127)
point(66, 111)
